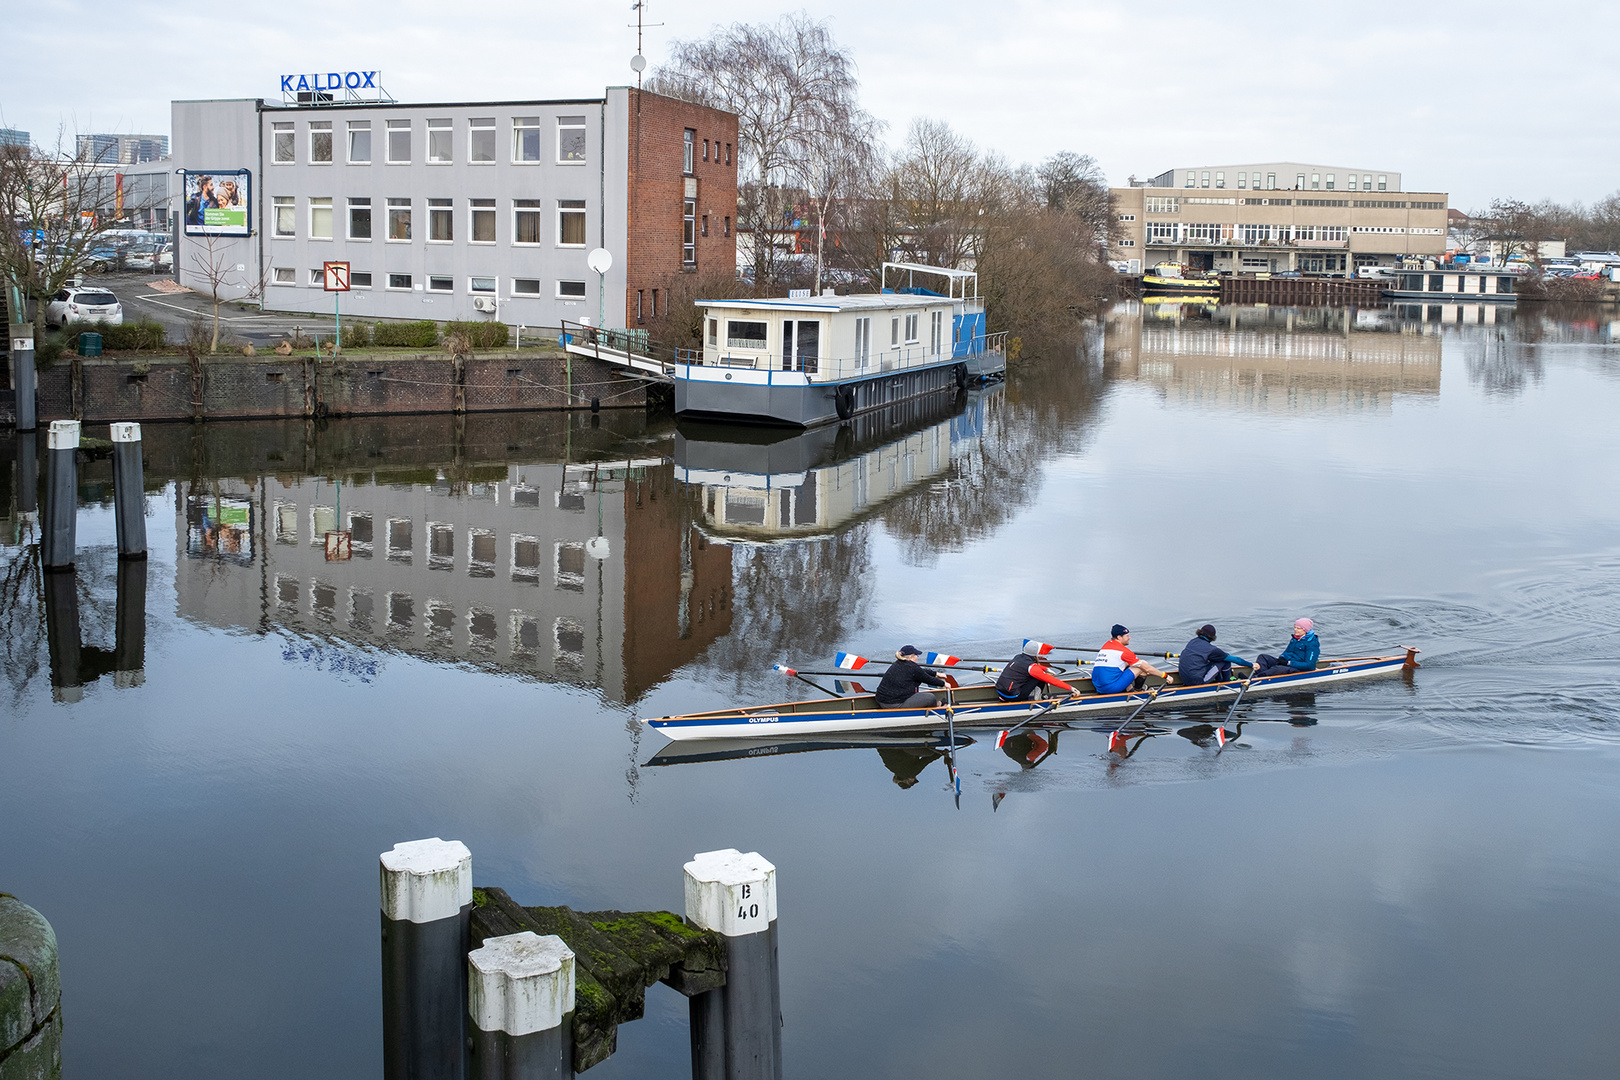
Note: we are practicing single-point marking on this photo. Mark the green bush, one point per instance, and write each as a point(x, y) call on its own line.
point(408, 335)
point(125, 337)
point(483, 335)
point(356, 335)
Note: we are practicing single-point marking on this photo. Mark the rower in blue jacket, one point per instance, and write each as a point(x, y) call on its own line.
point(1202, 662)
point(1300, 655)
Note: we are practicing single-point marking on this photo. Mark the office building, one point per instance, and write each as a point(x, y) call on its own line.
point(13, 137)
point(463, 211)
point(1276, 216)
point(109, 149)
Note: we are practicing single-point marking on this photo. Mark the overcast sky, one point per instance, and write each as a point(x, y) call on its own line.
point(1481, 99)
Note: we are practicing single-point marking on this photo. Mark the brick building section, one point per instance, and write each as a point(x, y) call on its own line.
point(658, 187)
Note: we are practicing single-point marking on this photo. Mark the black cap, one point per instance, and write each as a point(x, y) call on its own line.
point(1207, 632)
point(1118, 631)
point(910, 650)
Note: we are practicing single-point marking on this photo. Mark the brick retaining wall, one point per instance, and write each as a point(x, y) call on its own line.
point(103, 389)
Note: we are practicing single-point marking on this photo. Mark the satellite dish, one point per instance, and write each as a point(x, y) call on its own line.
point(597, 547)
point(600, 260)
point(638, 63)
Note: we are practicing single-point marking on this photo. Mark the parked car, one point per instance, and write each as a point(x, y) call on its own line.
point(149, 258)
point(81, 304)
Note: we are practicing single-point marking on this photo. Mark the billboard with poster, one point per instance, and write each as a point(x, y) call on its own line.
point(218, 203)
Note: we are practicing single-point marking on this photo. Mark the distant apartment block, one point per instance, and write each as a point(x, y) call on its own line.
point(1276, 216)
point(107, 149)
point(13, 137)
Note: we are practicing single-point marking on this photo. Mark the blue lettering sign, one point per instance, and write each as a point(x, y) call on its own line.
point(286, 84)
point(334, 80)
point(303, 83)
point(370, 79)
point(330, 80)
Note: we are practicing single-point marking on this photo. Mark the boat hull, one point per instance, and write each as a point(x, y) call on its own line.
point(979, 707)
point(790, 398)
point(1152, 283)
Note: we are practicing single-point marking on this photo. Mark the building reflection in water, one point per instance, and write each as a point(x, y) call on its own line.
point(579, 572)
point(1275, 359)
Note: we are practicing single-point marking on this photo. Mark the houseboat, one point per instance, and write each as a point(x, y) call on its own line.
point(1454, 283)
point(807, 360)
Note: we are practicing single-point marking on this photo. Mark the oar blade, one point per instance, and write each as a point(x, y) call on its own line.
point(939, 659)
point(1042, 647)
point(849, 661)
point(785, 670)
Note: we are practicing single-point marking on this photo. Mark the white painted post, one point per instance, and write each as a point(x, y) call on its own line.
point(129, 493)
point(426, 928)
point(520, 996)
point(57, 534)
point(737, 1029)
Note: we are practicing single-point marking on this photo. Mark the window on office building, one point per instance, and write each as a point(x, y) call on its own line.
point(360, 219)
point(285, 275)
point(399, 142)
point(440, 283)
point(525, 286)
point(320, 142)
point(706, 150)
point(1204, 180)
point(689, 233)
point(1192, 179)
point(525, 138)
point(1330, 182)
point(1243, 180)
point(284, 216)
point(399, 219)
point(688, 141)
point(440, 144)
point(526, 221)
point(571, 222)
point(481, 140)
point(359, 142)
point(441, 221)
point(1366, 182)
point(1299, 181)
point(571, 290)
point(317, 278)
point(1271, 180)
point(320, 218)
point(284, 140)
point(399, 281)
point(482, 285)
point(1316, 181)
point(571, 140)
point(728, 226)
point(1220, 179)
point(483, 221)
point(359, 280)
point(1383, 183)
point(1352, 182)
point(705, 229)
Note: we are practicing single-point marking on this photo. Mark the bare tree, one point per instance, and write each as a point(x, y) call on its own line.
point(839, 161)
point(58, 205)
point(1072, 183)
point(217, 266)
point(785, 81)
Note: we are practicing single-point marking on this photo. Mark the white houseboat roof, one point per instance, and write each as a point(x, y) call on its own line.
point(854, 302)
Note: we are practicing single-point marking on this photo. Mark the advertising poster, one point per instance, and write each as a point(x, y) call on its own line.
point(217, 203)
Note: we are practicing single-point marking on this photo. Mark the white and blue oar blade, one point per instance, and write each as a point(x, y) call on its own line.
point(1042, 647)
point(784, 669)
point(849, 661)
point(939, 659)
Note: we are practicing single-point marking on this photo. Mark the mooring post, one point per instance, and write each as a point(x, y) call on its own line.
point(737, 1029)
point(22, 375)
point(61, 594)
point(426, 927)
point(520, 997)
point(57, 532)
point(129, 630)
point(129, 491)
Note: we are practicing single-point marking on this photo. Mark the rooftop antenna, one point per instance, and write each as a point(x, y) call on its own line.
point(638, 62)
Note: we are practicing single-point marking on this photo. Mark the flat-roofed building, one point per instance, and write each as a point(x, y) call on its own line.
point(1277, 216)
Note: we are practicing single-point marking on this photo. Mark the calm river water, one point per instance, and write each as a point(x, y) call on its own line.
point(1416, 877)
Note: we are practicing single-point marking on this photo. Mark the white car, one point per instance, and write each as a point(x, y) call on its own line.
point(84, 305)
point(143, 258)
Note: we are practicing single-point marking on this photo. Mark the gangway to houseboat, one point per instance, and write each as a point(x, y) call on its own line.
point(628, 350)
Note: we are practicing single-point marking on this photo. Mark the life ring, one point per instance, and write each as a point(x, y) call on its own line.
point(844, 401)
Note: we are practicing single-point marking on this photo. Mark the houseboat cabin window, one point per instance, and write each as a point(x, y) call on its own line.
point(714, 331)
point(911, 329)
point(894, 331)
point(937, 332)
point(801, 345)
point(863, 340)
point(744, 335)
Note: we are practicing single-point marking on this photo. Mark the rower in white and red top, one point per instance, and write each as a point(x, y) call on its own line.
point(1117, 669)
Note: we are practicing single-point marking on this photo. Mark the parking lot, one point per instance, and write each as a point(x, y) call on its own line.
point(175, 311)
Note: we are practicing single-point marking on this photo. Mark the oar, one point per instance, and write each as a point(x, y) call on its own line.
point(850, 662)
point(1222, 740)
point(1252, 672)
point(1157, 690)
point(794, 674)
point(1045, 648)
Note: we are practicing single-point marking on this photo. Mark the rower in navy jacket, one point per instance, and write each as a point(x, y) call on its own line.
point(1202, 662)
point(899, 688)
point(1024, 674)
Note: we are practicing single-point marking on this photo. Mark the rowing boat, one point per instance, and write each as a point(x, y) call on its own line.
point(978, 706)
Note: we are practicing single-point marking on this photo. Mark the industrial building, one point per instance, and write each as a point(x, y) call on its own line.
point(457, 211)
point(1272, 217)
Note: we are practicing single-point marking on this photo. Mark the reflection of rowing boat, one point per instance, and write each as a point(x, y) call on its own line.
point(738, 749)
point(978, 706)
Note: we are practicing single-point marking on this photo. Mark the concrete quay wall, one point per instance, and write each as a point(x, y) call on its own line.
point(104, 389)
point(30, 995)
